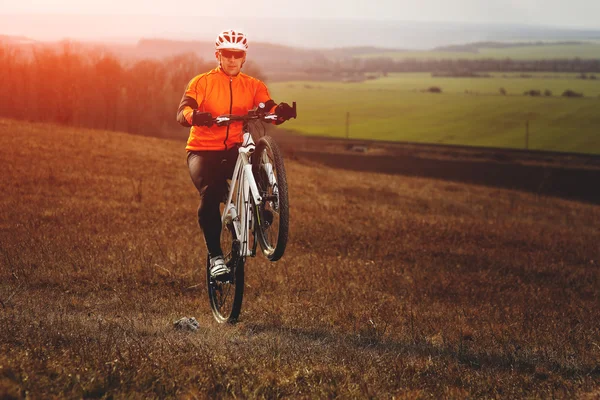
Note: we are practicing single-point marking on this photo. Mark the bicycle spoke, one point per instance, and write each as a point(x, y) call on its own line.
point(226, 296)
point(273, 211)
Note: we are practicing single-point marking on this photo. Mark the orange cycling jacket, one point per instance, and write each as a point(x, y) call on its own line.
point(218, 93)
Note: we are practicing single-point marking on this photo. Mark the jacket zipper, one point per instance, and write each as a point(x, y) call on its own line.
point(230, 109)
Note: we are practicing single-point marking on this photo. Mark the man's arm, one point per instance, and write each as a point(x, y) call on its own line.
point(186, 111)
point(189, 102)
point(283, 110)
point(262, 95)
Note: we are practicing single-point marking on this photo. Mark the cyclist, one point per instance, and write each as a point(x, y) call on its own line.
point(212, 150)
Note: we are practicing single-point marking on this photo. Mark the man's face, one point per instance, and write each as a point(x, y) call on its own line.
point(231, 61)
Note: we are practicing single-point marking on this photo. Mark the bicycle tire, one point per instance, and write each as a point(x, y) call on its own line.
point(226, 297)
point(267, 158)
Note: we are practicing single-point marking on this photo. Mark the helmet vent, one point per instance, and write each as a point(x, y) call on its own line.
point(233, 40)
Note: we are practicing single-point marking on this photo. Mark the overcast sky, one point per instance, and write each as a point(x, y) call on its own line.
point(563, 13)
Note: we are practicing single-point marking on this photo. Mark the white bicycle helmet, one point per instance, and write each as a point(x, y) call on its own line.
point(231, 40)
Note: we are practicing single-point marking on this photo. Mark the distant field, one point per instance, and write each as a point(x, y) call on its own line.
point(587, 50)
point(395, 108)
point(513, 83)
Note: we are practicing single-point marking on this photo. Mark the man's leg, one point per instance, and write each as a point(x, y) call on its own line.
point(209, 171)
point(204, 171)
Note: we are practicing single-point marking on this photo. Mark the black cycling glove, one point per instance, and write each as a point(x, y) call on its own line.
point(284, 112)
point(201, 118)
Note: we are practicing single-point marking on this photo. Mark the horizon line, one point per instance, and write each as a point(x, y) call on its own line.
point(349, 19)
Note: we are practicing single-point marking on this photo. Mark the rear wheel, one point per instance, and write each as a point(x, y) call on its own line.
point(272, 216)
point(226, 296)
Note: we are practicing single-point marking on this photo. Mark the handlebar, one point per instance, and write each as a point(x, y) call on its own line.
point(257, 114)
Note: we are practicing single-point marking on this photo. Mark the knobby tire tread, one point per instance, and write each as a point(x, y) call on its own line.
point(263, 143)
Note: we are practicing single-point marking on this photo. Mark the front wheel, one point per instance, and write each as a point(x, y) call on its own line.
point(272, 222)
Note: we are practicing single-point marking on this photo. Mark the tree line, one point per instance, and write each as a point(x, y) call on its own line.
point(448, 66)
point(96, 89)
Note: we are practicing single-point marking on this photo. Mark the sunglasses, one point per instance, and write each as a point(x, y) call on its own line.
point(235, 54)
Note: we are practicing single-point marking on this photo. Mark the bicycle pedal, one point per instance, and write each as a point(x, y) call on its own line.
point(225, 278)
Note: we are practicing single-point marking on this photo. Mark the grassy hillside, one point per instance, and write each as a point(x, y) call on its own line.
point(396, 108)
point(391, 285)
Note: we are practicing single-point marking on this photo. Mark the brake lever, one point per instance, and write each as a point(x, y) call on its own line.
point(221, 121)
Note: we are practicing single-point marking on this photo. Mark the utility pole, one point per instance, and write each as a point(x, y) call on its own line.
point(348, 125)
point(527, 135)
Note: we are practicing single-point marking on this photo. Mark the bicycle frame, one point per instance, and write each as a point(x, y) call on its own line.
point(244, 187)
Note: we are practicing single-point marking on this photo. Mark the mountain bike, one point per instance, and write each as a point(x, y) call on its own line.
point(255, 212)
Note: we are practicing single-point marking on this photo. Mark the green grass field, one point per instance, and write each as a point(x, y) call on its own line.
point(513, 83)
point(395, 108)
point(584, 50)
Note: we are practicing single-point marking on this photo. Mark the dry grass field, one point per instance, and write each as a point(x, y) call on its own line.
point(392, 285)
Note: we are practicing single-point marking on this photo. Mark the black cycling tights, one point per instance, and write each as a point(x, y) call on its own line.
point(209, 171)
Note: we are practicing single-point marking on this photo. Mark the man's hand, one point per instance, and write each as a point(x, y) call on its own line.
point(284, 112)
point(201, 118)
